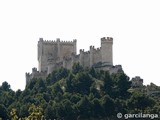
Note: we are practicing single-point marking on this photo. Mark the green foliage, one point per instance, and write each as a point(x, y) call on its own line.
point(3, 112)
point(108, 105)
point(36, 113)
point(75, 94)
point(13, 114)
point(77, 68)
point(108, 84)
point(140, 102)
point(85, 107)
point(5, 86)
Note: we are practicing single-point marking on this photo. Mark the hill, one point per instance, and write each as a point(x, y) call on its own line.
point(80, 93)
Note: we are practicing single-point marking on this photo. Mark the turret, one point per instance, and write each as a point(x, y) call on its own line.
point(81, 57)
point(91, 55)
point(75, 46)
point(40, 53)
point(34, 71)
point(106, 50)
point(58, 46)
point(28, 77)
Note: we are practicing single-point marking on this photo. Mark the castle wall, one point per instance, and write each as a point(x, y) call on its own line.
point(56, 54)
point(59, 65)
point(51, 67)
point(97, 57)
point(86, 59)
point(66, 50)
point(68, 64)
point(35, 74)
point(54, 50)
point(75, 59)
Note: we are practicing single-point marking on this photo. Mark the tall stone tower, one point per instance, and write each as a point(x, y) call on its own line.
point(106, 50)
point(54, 51)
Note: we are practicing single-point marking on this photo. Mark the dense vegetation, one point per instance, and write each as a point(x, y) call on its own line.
point(80, 93)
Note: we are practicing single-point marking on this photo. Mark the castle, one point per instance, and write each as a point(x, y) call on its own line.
point(55, 54)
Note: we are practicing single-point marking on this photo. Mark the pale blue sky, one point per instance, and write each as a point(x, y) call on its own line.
point(133, 24)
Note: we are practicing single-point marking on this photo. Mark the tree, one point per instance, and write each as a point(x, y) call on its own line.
point(36, 112)
point(82, 83)
point(62, 73)
point(13, 114)
point(18, 93)
point(50, 113)
point(97, 110)
point(23, 110)
point(140, 102)
point(93, 72)
point(108, 84)
point(85, 107)
point(77, 68)
point(108, 105)
point(69, 83)
point(75, 98)
point(122, 84)
point(3, 112)
point(5, 86)
point(69, 113)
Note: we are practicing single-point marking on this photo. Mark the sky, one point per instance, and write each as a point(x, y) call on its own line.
point(133, 24)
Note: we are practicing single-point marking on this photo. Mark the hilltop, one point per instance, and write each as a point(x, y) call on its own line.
point(80, 93)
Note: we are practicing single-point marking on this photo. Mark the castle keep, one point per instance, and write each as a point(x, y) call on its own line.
point(55, 54)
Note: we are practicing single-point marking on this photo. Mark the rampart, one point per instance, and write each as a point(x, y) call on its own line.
point(53, 54)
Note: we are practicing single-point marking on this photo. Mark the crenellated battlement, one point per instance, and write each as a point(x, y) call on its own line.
point(46, 41)
point(107, 39)
point(95, 50)
point(28, 74)
point(34, 70)
point(69, 41)
point(81, 51)
point(91, 47)
point(56, 41)
point(87, 52)
point(54, 54)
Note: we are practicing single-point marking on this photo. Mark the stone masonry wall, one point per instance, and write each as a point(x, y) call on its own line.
point(54, 50)
point(55, 54)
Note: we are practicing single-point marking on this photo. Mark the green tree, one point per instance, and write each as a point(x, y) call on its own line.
point(85, 108)
point(69, 113)
point(97, 110)
point(108, 84)
point(5, 86)
point(140, 102)
point(50, 112)
point(121, 85)
point(36, 113)
point(23, 110)
point(77, 68)
point(75, 98)
point(13, 114)
point(17, 94)
point(69, 83)
point(82, 83)
point(3, 112)
point(108, 106)
point(93, 72)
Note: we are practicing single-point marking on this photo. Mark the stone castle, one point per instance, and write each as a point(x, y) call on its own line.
point(56, 54)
